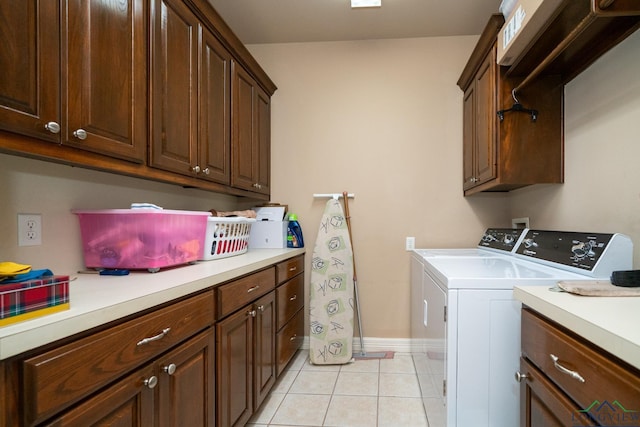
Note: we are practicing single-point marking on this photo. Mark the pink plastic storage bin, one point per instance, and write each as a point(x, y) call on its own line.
point(141, 238)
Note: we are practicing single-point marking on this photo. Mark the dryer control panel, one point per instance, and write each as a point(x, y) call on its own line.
point(502, 239)
point(597, 253)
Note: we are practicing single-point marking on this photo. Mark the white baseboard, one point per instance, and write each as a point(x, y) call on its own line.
point(371, 344)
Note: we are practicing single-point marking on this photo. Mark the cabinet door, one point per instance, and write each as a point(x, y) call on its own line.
point(234, 369)
point(30, 64)
point(128, 403)
point(468, 138)
point(263, 141)
point(244, 156)
point(174, 103)
point(265, 347)
point(105, 73)
point(485, 113)
point(543, 404)
point(215, 125)
point(186, 386)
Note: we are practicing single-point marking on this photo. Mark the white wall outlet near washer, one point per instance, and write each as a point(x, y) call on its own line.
point(410, 244)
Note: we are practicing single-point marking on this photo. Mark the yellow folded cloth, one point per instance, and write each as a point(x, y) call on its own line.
point(8, 268)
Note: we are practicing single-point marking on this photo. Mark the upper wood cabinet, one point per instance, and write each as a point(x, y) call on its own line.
point(135, 87)
point(251, 133)
point(75, 74)
point(517, 150)
point(190, 95)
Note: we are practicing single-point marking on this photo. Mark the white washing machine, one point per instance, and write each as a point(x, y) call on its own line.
point(467, 326)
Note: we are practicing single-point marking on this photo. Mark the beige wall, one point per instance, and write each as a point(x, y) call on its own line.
point(382, 120)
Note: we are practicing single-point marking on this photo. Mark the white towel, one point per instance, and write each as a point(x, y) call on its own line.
point(331, 298)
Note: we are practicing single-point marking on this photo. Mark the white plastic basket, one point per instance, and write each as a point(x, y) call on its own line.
point(226, 236)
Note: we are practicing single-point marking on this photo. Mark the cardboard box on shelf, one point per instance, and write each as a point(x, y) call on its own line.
point(270, 229)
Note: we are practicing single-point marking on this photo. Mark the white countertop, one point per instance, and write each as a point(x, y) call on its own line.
point(611, 323)
point(96, 299)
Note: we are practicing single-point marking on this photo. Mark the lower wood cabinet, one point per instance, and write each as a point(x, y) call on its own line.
point(206, 360)
point(567, 381)
point(175, 390)
point(245, 360)
point(257, 336)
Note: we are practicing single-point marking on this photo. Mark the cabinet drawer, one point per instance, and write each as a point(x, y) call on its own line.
point(241, 292)
point(290, 297)
point(605, 378)
point(289, 340)
point(289, 268)
point(60, 377)
point(542, 404)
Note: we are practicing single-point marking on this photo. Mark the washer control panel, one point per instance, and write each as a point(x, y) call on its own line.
point(582, 251)
point(502, 239)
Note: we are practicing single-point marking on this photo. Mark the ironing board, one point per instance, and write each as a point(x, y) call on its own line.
point(331, 293)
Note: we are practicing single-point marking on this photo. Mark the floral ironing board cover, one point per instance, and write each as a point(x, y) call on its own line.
point(331, 293)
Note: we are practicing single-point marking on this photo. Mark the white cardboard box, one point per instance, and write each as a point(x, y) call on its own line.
point(268, 234)
point(270, 213)
point(521, 26)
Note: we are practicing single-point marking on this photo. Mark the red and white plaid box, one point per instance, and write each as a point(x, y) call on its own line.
point(33, 298)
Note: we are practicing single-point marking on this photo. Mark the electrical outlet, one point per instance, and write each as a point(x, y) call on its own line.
point(29, 229)
point(410, 243)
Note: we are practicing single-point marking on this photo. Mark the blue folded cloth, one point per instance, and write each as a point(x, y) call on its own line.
point(32, 275)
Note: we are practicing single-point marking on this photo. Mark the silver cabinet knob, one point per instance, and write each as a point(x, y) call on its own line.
point(261, 307)
point(195, 169)
point(151, 382)
point(252, 313)
point(170, 368)
point(257, 185)
point(80, 134)
point(520, 377)
point(206, 171)
point(52, 127)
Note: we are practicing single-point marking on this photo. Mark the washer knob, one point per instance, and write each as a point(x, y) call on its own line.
point(582, 249)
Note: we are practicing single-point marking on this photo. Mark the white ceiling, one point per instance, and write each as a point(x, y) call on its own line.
point(286, 21)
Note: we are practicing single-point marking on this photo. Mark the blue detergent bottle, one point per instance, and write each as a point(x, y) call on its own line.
point(294, 233)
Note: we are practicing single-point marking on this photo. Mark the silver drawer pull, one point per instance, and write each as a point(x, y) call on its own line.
point(293, 298)
point(559, 367)
point(52, 127)
point(294, 268)
point(253, 288)
point(81, 134)
point(155, 338)
point(293, 337)
point(170, 369)
point(151, 382)
point(521, 377)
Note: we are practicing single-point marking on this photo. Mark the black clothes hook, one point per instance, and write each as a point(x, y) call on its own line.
point(517, 106)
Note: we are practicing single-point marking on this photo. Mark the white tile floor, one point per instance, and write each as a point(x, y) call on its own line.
point(367, 393)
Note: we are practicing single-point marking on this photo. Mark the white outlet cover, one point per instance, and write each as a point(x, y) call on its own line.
point(29, 229)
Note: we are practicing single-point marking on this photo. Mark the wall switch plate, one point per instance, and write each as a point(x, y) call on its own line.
point(29, 229)
point(410, 243)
